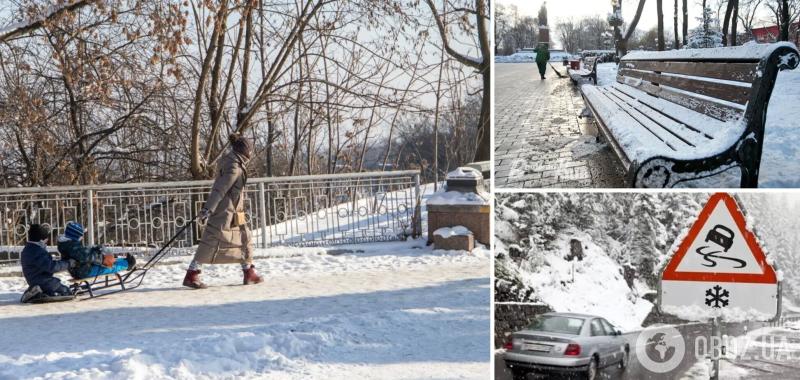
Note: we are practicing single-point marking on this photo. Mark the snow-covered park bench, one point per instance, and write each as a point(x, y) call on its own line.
point(681, 115)
point(589, 70)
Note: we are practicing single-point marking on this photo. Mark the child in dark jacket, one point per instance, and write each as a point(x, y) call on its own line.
point(38, 266)
point(91, 261)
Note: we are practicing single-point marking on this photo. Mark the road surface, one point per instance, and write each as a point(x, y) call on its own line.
point(762, 369)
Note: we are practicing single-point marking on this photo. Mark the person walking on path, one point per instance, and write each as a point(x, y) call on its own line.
point(226, 237)
point(542, 57)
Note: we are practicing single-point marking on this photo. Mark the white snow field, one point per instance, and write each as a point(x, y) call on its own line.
point(593, 285)
point(395, 310)
point(780, 160)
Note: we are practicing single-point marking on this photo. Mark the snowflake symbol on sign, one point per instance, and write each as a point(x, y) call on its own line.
point(717, 296)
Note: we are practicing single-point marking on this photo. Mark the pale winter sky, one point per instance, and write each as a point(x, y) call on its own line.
point(564, 9)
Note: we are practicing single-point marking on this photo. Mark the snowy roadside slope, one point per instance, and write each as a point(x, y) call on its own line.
point(594, 285)
point(396, 311)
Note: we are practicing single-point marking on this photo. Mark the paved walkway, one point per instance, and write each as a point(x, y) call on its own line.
point(539, 139)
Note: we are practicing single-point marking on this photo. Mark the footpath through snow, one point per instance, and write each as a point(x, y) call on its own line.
point(385, 310)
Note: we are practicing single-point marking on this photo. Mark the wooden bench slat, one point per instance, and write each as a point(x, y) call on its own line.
point(659, 131)
point(740, 72)
point(716, 110)
point(705, 124)
point(723, 91)
point(629, 133)
point(686, 133)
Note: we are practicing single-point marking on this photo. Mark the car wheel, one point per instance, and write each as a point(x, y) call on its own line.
point(591, 373)
point(625, 357)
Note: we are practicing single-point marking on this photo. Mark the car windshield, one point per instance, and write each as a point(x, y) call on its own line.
point(557, 324)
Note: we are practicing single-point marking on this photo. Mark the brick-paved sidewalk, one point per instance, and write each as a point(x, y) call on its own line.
point(539, 139)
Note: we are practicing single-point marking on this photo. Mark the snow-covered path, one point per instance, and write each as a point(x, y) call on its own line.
point(398, 310)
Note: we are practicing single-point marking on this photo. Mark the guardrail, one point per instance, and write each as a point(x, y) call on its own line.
point(294, 211)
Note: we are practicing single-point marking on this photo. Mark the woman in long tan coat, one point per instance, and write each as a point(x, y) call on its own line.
point(226, 238)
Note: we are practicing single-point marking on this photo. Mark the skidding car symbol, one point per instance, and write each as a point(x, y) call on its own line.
point(724, 240)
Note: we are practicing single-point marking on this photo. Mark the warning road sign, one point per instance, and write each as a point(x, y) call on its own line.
point(719, 268)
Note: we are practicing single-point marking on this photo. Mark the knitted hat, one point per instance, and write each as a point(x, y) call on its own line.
point(38, 232)
point(241, 145)
point(74, 231)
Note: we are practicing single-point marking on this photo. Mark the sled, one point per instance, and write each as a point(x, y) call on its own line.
point(105, 284)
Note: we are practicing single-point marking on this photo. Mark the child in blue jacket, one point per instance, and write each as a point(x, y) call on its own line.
point(91, 261)
point(38, 266)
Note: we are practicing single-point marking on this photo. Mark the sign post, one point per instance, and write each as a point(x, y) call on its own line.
point(720, 272)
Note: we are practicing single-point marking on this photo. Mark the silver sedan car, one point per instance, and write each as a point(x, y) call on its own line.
point(566, 342)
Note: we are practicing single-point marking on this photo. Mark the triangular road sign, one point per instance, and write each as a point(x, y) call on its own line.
point(720, 270)
point(720, 248)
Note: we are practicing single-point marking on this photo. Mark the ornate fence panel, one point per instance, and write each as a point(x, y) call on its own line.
point(295, 211)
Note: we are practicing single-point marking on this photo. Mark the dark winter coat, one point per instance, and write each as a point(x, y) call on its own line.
point(224, 241)
point(542, 54)
point(85, 256)
point(38, 267)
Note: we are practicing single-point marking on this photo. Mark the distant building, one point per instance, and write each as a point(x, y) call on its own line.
point(769, 34)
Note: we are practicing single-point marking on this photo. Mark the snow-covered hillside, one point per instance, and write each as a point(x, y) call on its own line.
point(625, 240)
point(595, 282)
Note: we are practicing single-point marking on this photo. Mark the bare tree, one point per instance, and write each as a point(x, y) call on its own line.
point(481, 64)
point(785, 12)
point(748, 15)
point(622, 40)
point(731, 15)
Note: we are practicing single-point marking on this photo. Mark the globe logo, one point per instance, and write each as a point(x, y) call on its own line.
point(660, 349)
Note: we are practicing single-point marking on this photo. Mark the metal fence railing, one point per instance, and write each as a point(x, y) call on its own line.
point(296, 211)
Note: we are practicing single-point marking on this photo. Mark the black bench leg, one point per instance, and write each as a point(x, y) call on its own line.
point(750, 161)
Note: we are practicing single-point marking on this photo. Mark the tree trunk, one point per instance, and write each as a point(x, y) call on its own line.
point(726, 22)
point(784, 21)
point(685, 22)
point(622, 49)
point(484, 142)
point(734, 21)
point(660, 14)
point(677, 44)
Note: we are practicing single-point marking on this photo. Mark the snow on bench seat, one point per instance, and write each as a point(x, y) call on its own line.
point(681, 115)
point(646, 126)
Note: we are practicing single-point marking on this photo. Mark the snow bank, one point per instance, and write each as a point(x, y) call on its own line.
point(381, 310)
point(465, 173)
point(448, 232)
point(606, 73)
point(457, 198)
point(737, 52)
point(701, 370)
point(594, 285)
point(528, 57)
